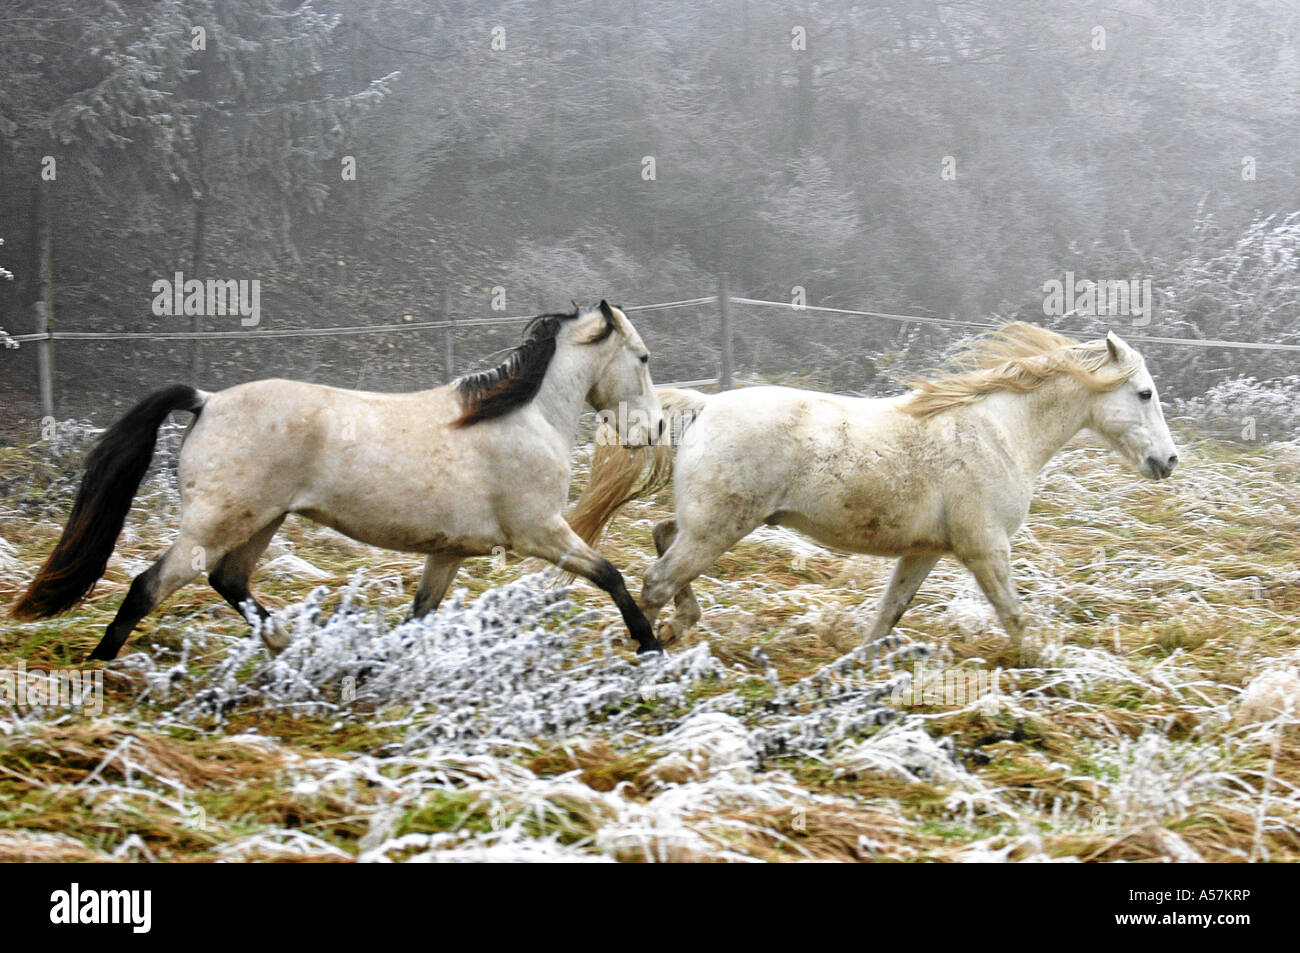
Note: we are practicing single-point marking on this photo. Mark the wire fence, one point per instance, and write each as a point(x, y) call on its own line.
point(984, 326)
point(317, 332)
point(703, 332)
point(658, 306)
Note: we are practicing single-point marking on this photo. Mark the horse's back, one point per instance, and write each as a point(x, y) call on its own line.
point(855, 473)
point(283, 435)
point(787, 423)
point(274, 396)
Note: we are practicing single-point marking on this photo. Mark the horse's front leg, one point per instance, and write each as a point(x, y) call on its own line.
point(909, 573)
point(992, 570)
point(439, 571)
point(556, 542)
point(686, 605)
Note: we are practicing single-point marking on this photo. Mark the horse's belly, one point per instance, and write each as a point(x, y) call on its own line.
point(871, 537)
point(879, 517)
point(403, 533)
point(393, 515)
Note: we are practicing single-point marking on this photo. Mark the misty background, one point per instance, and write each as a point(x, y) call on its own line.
point(921, 157)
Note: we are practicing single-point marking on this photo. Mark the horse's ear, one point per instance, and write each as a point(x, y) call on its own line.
point(576, 306)
point(606, 310)
point(1115, 346)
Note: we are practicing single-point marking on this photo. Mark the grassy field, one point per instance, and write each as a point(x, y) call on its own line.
point(516, 723)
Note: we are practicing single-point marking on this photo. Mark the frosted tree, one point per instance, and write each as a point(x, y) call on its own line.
point(196, 103)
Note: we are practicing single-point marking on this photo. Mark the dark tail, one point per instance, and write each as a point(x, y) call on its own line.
point(114, 470)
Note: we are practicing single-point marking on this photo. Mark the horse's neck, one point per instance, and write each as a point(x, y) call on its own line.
point(563, 393)
point(1042, 421)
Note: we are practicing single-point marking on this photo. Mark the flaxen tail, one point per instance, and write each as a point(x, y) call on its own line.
point(114, 470)
point(621, 474)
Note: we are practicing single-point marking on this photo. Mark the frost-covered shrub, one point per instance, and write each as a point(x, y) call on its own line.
point(1246, 409)
point(509, 667)
point(67, 441)
point(1154, 780)
point(1273, 694)
point(45, 489)
point(479, 675)
point(1237, 287)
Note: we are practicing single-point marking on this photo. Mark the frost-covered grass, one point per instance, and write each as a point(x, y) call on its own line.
point(516, 724)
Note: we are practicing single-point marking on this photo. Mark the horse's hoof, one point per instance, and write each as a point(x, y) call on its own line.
point(103, 652)
point(649, 653)
point(1023, 655)
point(277, 639)
point(667, 633)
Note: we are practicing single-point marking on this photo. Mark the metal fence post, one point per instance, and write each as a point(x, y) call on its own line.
point(45, 361)
point(449, 336)
point(724, 330)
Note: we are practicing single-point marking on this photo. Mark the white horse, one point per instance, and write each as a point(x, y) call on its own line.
point(945, 469)
point(449, 473)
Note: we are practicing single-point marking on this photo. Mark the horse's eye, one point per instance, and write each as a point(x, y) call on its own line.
point(645, 358)
point(1144, 395)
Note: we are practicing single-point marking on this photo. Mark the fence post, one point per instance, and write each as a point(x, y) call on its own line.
point(44, 298)
point(449, 336)
point(44, 361)
point(724, 330)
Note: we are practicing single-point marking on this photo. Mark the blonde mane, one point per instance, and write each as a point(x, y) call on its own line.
point(1020, 358)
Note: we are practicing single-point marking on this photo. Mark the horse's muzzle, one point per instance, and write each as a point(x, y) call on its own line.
point(1159, 469)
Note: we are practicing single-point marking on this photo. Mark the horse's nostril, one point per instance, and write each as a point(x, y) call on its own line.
point(1158, 469)
point(1173, 459)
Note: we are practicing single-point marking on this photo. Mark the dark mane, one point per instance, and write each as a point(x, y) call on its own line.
point(515, 381)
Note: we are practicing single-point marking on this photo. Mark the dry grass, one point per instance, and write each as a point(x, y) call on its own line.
point(1155, 606)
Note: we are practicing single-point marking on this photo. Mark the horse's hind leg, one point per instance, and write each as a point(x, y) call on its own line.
point(686, 607)
point(230, 578)
point(909, 573)
point(439, 571)
point(147, 591)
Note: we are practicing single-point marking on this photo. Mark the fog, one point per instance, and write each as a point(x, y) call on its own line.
point(384, 163)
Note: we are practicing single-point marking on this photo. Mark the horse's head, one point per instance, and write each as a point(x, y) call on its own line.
point(622, 391)
point(1129, 418)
